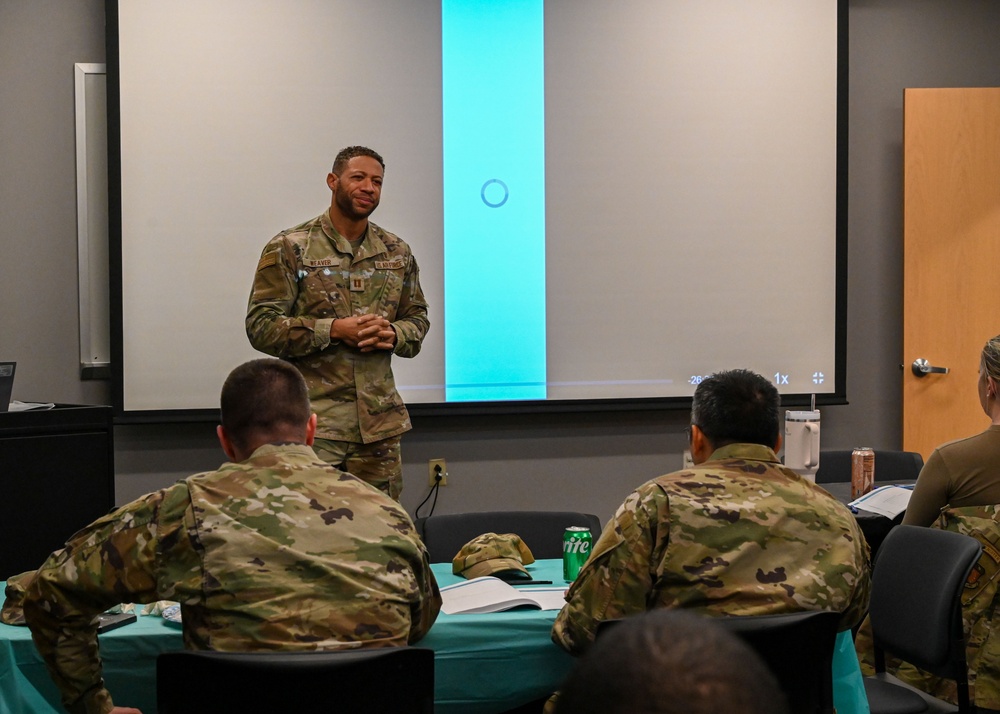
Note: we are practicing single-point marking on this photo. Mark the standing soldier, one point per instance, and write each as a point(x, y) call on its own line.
point(337, 296)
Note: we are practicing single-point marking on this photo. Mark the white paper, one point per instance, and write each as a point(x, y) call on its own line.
point(888, 501)
point(16, 406)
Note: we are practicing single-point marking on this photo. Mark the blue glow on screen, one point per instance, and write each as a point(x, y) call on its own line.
point(493, 74)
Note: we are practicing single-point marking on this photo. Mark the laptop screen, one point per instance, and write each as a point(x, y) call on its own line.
point(6, 384)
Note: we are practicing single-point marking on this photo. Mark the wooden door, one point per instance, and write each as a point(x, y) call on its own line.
point(951, 274)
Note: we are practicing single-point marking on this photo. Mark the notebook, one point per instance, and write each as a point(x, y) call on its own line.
point(6, 384)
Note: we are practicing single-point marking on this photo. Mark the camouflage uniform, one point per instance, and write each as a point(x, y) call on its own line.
point(979, 602)
point(307, 277)
point(737, 535)
point(278, 552)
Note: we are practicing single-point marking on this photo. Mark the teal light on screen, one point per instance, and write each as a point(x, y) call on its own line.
point(493, 75)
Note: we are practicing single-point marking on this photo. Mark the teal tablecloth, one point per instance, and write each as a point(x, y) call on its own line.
point(484, 664)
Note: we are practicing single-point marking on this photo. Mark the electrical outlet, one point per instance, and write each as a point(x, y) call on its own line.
point(688, 462)
point(436, 467)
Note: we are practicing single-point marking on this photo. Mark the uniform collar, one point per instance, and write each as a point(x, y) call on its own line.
point(283, 448)
point(371, 244)
point(748, 452)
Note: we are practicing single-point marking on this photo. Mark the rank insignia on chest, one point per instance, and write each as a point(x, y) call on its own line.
point(357, 284)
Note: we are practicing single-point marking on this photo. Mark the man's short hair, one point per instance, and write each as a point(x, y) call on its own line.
point(737, 406)
point(670, 662)
point(350, 152)
point(264, 397)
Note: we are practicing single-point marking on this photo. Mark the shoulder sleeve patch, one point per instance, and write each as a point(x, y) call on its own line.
point(267, 260)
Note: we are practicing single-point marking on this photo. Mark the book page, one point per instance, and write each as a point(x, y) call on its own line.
point(489, 594)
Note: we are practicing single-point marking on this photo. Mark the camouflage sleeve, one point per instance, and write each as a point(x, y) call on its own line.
point(411, 323)
point(617, 579)
point(858, 605)
point(425, 610)
point(107, 563)
point(271, 323)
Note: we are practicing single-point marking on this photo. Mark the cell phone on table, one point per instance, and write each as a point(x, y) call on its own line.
point(108, 621)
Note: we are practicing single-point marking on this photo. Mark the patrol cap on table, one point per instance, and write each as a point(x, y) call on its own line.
point(503, 556)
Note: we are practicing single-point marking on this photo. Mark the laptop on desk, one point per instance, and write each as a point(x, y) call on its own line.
point(6, 384)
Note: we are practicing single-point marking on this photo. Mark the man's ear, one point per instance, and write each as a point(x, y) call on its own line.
point(227, 445)
point(779, 442)
point(331, 181)
point(701, 447)
point(311, 430)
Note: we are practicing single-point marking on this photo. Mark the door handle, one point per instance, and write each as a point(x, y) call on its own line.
point(922, 367)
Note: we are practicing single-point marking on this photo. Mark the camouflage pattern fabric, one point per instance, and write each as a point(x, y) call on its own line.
point(737, 535)
point(979, 616)
point(278, 552)
point(379, 463)
point(306, 278)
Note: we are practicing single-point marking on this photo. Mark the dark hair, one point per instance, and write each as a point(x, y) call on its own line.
point(670, 662)
point(264, 398)
point(737, 406)
point(350, 152)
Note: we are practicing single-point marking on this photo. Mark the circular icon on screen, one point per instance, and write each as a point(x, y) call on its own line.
point(495, 198)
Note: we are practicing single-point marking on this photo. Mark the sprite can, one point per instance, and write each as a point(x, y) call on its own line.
point(576, 550)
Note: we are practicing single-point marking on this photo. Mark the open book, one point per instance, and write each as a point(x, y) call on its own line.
point(489, 594)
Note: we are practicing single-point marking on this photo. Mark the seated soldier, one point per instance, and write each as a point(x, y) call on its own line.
point(737, 534)
point(274, 551)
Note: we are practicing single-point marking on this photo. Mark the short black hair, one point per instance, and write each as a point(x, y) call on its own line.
point(737, 406)
point(350, 152)
point(261, 398)
point(670, 662)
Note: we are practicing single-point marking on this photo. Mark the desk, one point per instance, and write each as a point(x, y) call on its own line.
point(874, 526)
point(484, 664)
point(67, 451)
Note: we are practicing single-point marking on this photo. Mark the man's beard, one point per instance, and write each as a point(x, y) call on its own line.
point(346, 206)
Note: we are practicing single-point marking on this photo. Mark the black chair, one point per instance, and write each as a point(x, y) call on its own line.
point(797, 647)
point(542, 531)
point(835, 466)
point(385, 680)
point(916, 615)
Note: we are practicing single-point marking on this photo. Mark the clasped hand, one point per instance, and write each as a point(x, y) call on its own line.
point(366, 332)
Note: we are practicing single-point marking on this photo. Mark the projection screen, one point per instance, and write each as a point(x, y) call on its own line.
point(607, 201)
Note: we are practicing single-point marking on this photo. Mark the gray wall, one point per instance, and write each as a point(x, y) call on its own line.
point(586, 462)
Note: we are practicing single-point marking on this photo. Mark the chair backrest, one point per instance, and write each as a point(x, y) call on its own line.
point(916, 610)
point(835, 466)
point(797, 647)
point(346, 681)
point(542, 531)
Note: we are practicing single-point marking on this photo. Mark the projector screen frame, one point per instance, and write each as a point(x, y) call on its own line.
point(421, 409)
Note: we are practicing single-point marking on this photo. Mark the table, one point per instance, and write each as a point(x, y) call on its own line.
point(484, 664)
point(874, 526)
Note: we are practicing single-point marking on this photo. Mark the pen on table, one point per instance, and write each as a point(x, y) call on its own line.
point(534, 582)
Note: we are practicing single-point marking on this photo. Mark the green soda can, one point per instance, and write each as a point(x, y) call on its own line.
point(576, 550)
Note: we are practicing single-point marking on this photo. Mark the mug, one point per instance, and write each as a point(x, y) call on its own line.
point(802, 443)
